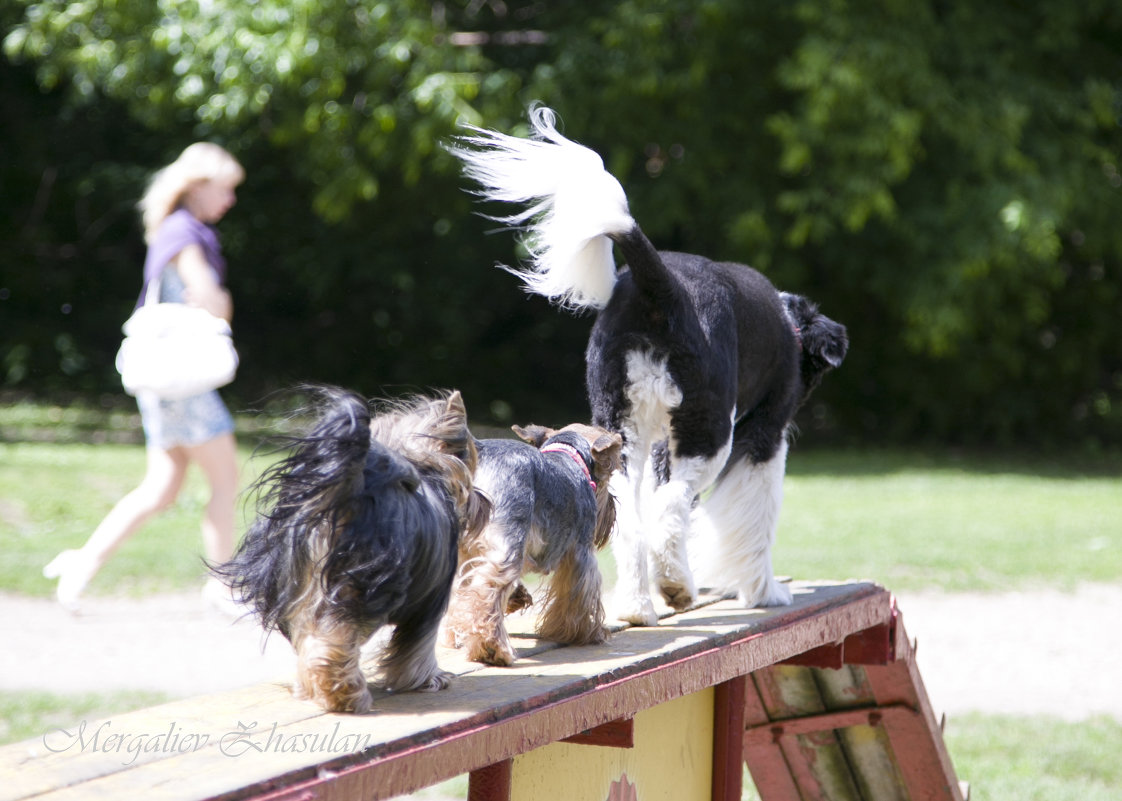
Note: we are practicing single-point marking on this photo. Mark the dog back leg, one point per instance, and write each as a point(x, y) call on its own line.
point(641, 411)
point(669, 510)
point(734, 530)
point(327, 666)
point(409, 661)
point(631, 599)
point(488, 577)
point(572, 609)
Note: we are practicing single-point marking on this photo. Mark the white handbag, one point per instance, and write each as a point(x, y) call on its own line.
point(173, 350)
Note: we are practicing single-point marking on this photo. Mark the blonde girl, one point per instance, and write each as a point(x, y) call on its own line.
point(184, 263)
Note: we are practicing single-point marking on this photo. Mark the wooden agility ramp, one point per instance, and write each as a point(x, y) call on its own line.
point(821, 700)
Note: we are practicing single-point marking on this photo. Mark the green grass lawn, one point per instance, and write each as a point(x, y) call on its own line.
point(908, 521)
point(914, 522)
point(25, 715)
point(52, 496)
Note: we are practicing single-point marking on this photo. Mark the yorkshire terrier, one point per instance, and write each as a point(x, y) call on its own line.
point(358, 528)
point(551, 512)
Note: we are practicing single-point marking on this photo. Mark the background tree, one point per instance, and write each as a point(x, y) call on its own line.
point(942, 177)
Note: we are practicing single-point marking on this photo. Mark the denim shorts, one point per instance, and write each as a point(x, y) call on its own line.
point(186, 421)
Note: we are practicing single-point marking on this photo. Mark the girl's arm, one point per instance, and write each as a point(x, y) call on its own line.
point(202, 288)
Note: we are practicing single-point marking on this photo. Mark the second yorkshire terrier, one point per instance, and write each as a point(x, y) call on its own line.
point(551, 511)
point(359, 529)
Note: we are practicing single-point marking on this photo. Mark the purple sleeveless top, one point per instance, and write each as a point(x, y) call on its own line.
point(178, 230)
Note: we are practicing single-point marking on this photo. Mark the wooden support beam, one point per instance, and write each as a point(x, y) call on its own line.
point(921, 754)
point(728, 738)
point(491, 783)
point(849, 719)
point(873, 646)
point(829, 721)
point(766, 763)
point(614, 734)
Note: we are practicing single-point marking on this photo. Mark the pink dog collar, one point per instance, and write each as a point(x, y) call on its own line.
point(572, 453)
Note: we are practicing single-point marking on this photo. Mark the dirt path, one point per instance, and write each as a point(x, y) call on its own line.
point(1042, 653)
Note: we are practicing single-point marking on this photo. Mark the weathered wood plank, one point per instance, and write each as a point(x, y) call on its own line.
point(921, 755)
point(262, 741)
point(863, 729)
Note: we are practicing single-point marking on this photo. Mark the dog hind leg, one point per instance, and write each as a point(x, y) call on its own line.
point(489, 589)
point(631, 599)
point(572, 609)
point(491, 569)
point(328, 669)
point(734, 530)
point(409, 661)
point(644, 406)
point(670, 509)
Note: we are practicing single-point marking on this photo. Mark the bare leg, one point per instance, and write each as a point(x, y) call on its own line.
point(158, 490)
point(218, 459)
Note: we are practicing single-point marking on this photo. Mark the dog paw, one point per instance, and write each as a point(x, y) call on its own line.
point(439, 680)
point(636, 611)
point(774, 594)
point(358, 703)
point(490, 647)
point(491, 652)
point(677, 595)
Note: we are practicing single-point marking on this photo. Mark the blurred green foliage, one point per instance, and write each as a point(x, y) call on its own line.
point(942, 177)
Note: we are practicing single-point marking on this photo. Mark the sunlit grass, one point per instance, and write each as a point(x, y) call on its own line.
point(27, 714)
point(52, 496)
point(947, 525)
point(906, 522)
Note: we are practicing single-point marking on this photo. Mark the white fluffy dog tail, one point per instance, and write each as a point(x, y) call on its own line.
point(573, 205)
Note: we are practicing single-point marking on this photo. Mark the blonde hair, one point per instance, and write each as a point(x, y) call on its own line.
point(198, 162)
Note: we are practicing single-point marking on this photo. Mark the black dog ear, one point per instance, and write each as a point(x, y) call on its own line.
point(822, 339)
point(535, 435)
point(825, 340)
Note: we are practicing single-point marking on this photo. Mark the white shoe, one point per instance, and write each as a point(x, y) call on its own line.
point(73, 569)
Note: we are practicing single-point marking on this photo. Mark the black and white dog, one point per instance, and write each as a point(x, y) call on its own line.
point(552, 510)
point(699, 365)
point(358, 529)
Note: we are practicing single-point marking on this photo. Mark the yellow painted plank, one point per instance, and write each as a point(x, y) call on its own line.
point(672, 759)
